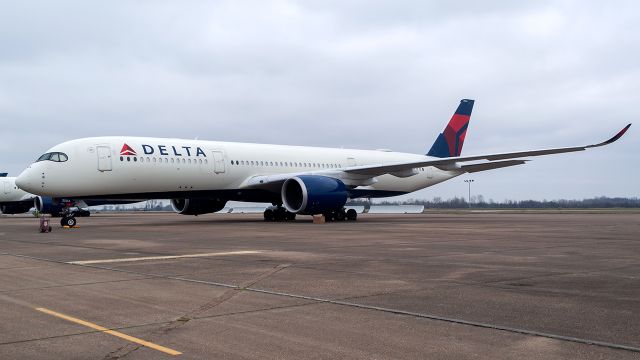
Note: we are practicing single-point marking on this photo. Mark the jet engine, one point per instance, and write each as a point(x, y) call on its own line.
point(313, 194)
point(48, 205)
point(197, 206)
point(17, 208)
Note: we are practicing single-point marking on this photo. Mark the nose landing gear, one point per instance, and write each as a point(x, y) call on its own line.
point(68, 217)
point(68, 221)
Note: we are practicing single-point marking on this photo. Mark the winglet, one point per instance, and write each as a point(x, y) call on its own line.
point(613, 139)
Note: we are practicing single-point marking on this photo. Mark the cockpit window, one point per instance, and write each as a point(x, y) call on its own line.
point(44, 157)
point(54, 156)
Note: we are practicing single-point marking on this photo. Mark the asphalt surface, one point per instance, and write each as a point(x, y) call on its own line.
point(436, 286)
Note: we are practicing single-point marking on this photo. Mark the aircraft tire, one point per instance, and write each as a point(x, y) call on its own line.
point(352, 215)
point(280, 214)
point(70, 221)
point(269, 215)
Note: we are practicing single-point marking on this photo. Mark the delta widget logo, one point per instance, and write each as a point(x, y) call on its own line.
point(127, 150)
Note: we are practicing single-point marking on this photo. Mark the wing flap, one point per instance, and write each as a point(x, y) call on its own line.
point(491, 165)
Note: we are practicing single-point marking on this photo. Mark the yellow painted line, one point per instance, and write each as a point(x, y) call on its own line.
point(103, 261)
point(151, 345)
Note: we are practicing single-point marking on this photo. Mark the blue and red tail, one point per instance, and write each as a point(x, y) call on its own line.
point(449, 142)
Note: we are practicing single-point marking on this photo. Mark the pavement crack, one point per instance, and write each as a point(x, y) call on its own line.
point(122, 352)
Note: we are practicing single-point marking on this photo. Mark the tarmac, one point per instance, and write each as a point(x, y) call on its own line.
point(464, 285)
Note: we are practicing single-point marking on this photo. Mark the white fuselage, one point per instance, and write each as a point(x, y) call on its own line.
point(9, 192)
point(104, 166)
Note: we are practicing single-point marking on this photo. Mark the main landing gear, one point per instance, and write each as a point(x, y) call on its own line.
point(341, 215)
point(278, 213)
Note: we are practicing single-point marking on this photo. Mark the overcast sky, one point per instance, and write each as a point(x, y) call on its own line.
point(361, 74)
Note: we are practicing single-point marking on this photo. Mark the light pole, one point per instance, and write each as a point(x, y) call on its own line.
point(469, 181)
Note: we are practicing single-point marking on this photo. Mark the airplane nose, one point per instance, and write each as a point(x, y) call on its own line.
point(27, 180)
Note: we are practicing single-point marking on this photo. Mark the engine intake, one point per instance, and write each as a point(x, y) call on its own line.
point(313, 194)
point(197, 206)
point(48, 205)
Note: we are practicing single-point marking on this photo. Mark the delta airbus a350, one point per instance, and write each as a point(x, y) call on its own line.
point(201, 176)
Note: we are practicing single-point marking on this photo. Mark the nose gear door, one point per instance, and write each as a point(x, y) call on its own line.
point(104, 158)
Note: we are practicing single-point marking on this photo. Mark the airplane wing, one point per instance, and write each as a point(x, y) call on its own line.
point(453, 163)
point(360, 175)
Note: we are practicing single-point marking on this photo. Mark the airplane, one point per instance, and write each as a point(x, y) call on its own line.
point(14, 200)
point(201, 176)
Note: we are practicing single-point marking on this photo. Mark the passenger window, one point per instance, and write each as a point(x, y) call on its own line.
point(128, 158)
point(206, 161)
point(154, 160)
point(121, 158)
point(135, 159)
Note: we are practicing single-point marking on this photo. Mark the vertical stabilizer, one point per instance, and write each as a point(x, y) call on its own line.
point(449, 142)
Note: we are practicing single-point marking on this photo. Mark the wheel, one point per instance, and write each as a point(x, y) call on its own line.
point(352, 215)
point(340, 215)
point(63, 221)
point(269, 215)
point(70, 221)
point(280, 214)
point(49, 229)
point(290, 216)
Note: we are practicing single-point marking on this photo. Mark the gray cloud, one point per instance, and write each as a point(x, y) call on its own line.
point(364, 74)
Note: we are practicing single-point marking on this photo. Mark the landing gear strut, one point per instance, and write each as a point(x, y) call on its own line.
point(278, 213)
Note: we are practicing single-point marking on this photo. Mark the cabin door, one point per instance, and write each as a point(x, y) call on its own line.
point(218, 162)
point(104, 158)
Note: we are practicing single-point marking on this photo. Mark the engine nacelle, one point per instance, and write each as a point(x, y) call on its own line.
point(313, 194)
point(11, 209)
point(197, 206)
point(48, 205)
